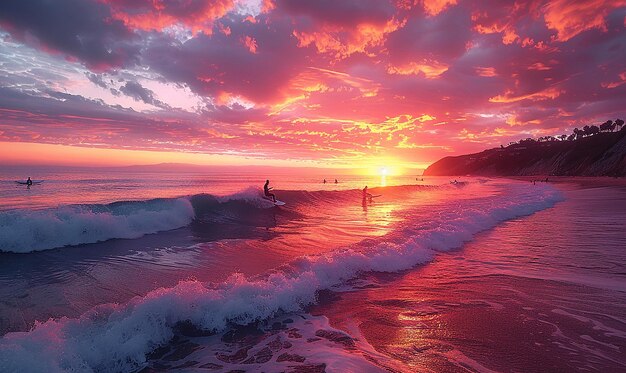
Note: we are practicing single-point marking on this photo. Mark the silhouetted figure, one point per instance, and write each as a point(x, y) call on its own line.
point(29, 182)
point(366, 196)
point(324, 181)
point(266, 190)
point(336, 182)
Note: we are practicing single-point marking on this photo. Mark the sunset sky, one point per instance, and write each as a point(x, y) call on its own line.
point(300, 82)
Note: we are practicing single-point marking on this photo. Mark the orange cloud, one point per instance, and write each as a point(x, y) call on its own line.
point(486, 71)
point(622, 77)
point(430, 69)
point(434, 7)
point(508, 97)
point(333, 39)
point(250, 43)
point(539, 66)
point(320, 80)
point(570, 18)
point(513, 120)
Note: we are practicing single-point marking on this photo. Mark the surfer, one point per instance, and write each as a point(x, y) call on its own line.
point(336, 182)
point(324, 181)
point(266, 190)
point(29, 182)
point(366, 195)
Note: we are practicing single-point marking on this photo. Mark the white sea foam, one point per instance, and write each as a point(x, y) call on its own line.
point(250, 195)
point(118, 337)
point(23, 231)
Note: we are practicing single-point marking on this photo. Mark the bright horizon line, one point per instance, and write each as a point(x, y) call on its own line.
point(23, 154)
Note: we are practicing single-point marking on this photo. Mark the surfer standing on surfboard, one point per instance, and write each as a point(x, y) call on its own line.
point(266, 191)
point(29, 182)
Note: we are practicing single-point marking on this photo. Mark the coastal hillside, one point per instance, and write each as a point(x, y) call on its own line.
point(598, 154)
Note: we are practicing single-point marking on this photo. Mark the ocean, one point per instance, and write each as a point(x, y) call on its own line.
point(128, 271)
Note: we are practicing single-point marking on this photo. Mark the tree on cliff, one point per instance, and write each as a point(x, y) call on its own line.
point(578, 134)
point(618, 123)
point(607, 126)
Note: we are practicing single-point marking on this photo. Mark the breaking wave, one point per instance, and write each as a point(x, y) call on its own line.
point(23, 231)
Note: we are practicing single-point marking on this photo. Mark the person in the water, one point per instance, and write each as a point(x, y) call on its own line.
point(29, 182)
point(266, 190)
point(366, 195)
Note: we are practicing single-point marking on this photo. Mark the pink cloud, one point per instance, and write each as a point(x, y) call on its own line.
point(198, 15)
point(434, 7)
point(570, 18)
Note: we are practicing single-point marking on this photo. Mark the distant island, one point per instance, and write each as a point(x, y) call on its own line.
point(591, 151)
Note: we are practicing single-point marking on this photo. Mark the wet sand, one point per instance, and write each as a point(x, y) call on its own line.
point(582, 181)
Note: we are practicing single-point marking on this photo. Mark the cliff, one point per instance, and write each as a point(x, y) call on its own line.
point(603, 154)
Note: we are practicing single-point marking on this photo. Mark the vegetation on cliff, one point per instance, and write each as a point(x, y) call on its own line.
point(590, 151)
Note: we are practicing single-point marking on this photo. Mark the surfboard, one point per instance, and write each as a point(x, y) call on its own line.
point(377, 195)
point(35, 182)
point(277, 203)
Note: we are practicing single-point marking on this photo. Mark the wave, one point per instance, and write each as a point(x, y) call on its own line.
point(118, 337)
point(23, 231)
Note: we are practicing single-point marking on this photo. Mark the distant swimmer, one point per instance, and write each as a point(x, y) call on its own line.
point(266, 190)
point(29, 182)
point(336, 182)
point(324, 181)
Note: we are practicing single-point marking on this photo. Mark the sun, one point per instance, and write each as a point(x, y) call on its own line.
point(387, 169)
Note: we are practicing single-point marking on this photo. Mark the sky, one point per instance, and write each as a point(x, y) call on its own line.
point(329, 83)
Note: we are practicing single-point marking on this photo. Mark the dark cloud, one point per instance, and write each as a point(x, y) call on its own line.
point(97, 79)
point(140, 93)
point(222, 64)
point(80, 29)
point(440, 38)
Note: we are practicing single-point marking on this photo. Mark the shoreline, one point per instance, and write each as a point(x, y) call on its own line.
point(582, 181)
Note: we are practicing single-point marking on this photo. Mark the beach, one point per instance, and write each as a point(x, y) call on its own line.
point(483, 275)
